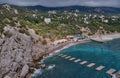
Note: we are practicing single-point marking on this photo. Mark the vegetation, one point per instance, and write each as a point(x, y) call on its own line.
point(44, 42)
point(62, 23)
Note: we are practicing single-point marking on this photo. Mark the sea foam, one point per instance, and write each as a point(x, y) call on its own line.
point(37, 72)
point(51, 67)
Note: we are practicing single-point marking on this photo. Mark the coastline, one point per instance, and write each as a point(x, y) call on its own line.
point(52, 52)
point(55, 49)
point(62, 46)
point(49, 52)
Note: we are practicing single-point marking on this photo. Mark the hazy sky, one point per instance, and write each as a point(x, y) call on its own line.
point(110, 3)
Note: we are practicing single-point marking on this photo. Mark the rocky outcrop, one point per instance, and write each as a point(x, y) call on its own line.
point(33, 34)
point(25, 71)
point(6, 77)
point(17, 53)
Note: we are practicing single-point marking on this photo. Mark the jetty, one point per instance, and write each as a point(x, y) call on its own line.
point(77, 60)
point(100, 68)
point(111, 71)
point(84, 62)
point(72, 59)
point(67, 57)
point(91, 65)
point(116, 75)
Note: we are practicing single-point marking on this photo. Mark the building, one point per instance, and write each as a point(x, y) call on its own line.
point(59, 41)
point(75, 37)
point(47, 20)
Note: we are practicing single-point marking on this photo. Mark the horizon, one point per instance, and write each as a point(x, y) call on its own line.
point(60, 6)
point(63, 3)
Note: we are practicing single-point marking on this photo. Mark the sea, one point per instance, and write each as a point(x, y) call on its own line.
point(105, 54)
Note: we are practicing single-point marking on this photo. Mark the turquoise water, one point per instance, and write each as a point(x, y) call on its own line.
point(106, 54)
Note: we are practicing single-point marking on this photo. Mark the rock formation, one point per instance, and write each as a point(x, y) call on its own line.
point(18, 52)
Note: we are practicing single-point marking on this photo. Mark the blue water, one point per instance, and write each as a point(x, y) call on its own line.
point(106, 54)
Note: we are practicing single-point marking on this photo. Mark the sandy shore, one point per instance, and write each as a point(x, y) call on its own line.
point(57, 48)
point(64, 45)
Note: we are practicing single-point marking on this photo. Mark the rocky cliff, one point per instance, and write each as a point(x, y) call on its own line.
point(18, 52)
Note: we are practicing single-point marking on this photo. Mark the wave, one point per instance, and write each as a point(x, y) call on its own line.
point(57, 51)
point(65, 47)
point(54, 53)
point(51, 67)
point(37, 72)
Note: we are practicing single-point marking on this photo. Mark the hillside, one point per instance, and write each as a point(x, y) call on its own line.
point(25, 33)
point(72, 22)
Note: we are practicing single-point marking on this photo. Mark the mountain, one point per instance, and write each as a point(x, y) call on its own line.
point(24, 34)
point(80, 8)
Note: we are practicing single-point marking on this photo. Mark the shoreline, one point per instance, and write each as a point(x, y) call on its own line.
point(64, 46)
point(51, 51)
point(56, 49)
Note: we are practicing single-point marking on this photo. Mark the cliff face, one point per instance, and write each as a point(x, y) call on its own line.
point(17, 52)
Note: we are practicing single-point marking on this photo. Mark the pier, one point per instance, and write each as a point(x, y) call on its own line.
point(77, 60)
point(71, 58)
point(84, 62)
point(111, 71)
point(90, 65)
point(67, 57)
point(100, 68)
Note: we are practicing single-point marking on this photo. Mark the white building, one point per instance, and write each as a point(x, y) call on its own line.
point(52, 12)
point(105, 21)
point(47, 20)
point(59, 41)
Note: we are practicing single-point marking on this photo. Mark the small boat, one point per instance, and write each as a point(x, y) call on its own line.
point(101, 39)
point(97, 40)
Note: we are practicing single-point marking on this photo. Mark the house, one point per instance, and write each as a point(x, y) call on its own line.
point(59, 41)
point(75, 37)
point(70, 36)
point(47, 20)
point(105, 20)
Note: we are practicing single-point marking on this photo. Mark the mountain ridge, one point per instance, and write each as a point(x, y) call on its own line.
point(80, 8)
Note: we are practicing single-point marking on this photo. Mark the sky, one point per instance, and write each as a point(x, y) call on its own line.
point(54, 3)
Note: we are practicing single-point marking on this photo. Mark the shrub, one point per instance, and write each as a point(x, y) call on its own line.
point(44, 42)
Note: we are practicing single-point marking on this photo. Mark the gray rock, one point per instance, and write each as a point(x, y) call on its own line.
point(15, 66)
point(25, 71)
point(7, 77)
point(33, 34)
point(17, 51)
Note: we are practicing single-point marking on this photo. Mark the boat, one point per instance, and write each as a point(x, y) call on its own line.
point(97, 40)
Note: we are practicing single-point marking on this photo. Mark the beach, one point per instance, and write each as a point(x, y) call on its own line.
point(88, 53)
point(51, 50)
